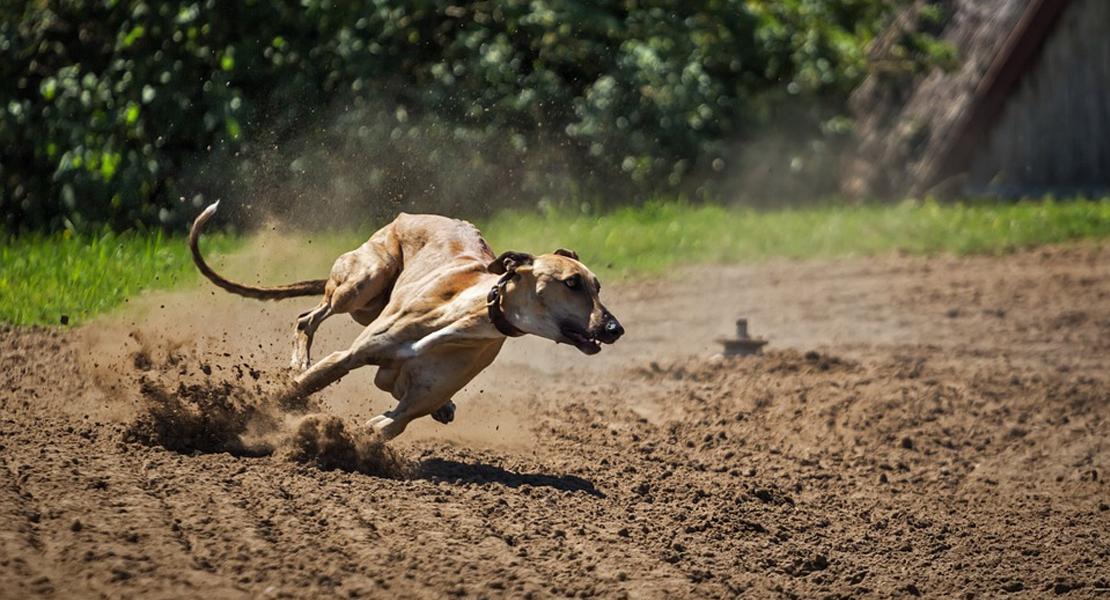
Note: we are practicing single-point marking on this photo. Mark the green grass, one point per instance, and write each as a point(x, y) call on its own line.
point(43, 278)
point(47, 279)
point(648, 240)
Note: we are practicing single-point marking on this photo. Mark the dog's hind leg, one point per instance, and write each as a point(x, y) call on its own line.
point(359, 285)
point(307, 324)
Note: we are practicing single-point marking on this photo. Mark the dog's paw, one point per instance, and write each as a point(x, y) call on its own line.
point(378, 422)
point(382, 426)
point(446, 413)
point(386, 427)
point(298, 363)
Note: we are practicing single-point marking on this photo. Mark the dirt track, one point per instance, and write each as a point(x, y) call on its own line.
point(918, 427)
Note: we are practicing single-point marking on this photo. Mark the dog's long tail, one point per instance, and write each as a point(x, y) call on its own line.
point(314, 287)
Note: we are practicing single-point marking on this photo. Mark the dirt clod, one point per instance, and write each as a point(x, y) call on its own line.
point(329, 443)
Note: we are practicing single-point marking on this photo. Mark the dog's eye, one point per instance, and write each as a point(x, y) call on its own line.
point(573, 281)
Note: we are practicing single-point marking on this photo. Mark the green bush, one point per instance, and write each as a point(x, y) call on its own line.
point(132, 112)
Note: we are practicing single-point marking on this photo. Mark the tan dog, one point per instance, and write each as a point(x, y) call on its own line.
point(437, 306)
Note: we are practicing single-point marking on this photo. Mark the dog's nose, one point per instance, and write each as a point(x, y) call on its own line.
point(613, 329)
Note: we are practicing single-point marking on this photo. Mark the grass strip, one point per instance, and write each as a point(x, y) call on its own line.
point(648, 240)
point(47, 280)
point(44, 279)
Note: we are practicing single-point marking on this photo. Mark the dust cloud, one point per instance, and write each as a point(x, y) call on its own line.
point(191, 400)
point(360, 161)
point(200, 370)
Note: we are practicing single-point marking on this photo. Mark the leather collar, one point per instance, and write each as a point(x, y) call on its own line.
point(493, 305)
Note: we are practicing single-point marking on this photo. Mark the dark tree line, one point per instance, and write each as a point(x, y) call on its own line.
point(125, 113)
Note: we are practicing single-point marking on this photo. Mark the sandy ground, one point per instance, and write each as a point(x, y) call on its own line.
point(932, 427)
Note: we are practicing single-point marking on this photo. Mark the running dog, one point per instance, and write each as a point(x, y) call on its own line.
point(437, 306)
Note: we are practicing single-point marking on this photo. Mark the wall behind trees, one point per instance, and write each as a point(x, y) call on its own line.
point(132, 113)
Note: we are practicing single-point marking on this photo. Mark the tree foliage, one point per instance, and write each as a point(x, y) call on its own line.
point(116, 110)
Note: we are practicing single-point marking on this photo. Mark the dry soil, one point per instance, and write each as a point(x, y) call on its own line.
point(934, 427)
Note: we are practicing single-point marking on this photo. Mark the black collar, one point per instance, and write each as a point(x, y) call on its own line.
point(493, 305)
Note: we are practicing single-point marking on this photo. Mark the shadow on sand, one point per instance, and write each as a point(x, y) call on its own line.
point(439, 469)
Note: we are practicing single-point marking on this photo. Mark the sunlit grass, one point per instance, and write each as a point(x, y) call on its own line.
point(43, 278)
point(648, 240)
point(46, 280)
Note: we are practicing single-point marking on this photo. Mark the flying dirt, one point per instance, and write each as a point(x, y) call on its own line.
point(933, 427)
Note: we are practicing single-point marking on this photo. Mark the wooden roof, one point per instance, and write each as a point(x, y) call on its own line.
point(912, 138)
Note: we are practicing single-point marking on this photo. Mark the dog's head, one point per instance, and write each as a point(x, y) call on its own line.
point(555, 296)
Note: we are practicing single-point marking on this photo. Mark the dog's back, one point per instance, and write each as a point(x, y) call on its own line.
point(427, 241)
point(437, 251)
point(414, 265)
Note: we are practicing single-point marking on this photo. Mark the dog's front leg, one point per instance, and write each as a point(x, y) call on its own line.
point(413, 406)
point(446, 413)
point(328, 371)
point(372, 347)
point(428, 383)
point(418, 400)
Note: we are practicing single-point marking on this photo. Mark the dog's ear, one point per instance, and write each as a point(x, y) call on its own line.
point(509, 261)
point(566, 253)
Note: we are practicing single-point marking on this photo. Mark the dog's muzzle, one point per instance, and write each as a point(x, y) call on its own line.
point(589, 342)
point(611, 329)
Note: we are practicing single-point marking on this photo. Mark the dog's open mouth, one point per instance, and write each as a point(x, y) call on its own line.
point(584, 343)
